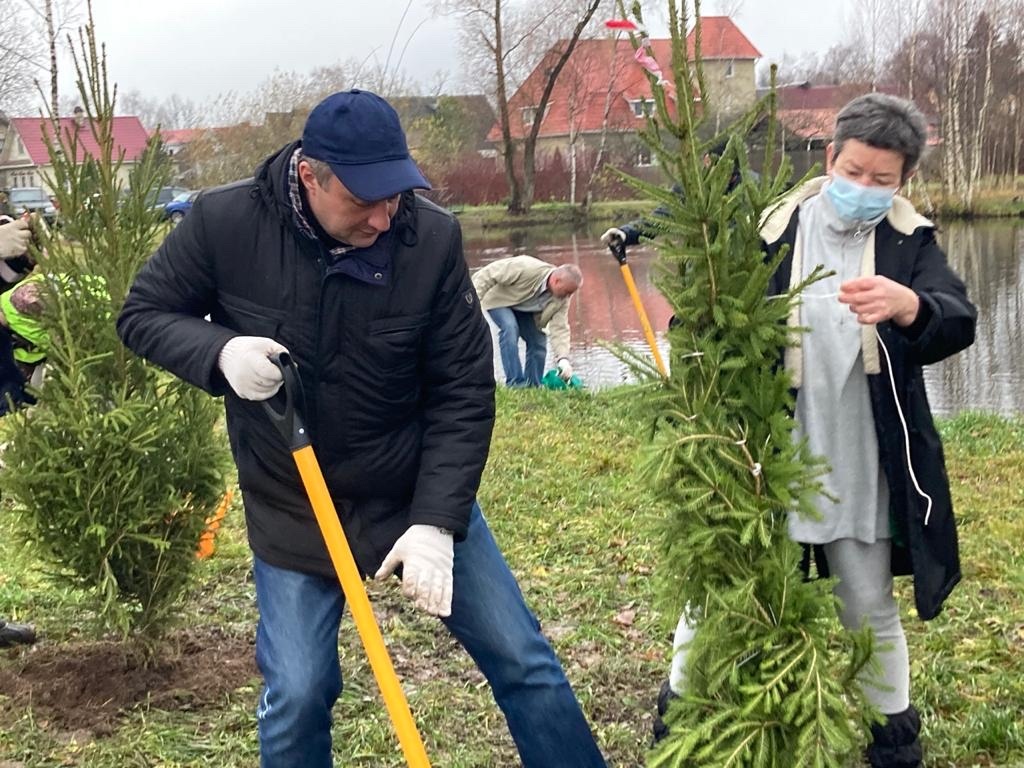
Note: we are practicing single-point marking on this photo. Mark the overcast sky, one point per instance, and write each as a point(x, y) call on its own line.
point(199, 48)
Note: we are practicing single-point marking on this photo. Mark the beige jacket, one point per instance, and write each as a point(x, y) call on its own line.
point(511, 281)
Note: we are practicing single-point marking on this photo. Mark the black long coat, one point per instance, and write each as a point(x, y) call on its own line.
point(944, 326)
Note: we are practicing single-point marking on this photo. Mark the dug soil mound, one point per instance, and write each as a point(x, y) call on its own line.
point(88, 686)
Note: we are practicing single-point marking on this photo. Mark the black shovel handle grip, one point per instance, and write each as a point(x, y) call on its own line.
point(618, 249)
point(288, 417)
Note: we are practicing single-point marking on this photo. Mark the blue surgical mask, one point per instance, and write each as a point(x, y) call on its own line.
point(856, 202)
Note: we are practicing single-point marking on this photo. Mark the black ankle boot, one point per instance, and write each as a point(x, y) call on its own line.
point(14, 634)
point(895, 743)
point(665, 695)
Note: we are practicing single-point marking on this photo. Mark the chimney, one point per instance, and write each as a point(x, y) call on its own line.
point(78, 114)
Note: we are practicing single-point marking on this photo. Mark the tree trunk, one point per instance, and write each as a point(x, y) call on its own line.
point(530, 143)
point(529, 169)
point(51, 36)
point(515, 204)
point(975, 167)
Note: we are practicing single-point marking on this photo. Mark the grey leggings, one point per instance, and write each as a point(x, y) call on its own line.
point(865, 588)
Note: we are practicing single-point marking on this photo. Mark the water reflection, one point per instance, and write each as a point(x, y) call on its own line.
point(990, 374)
point(989, 255)
point(601, 310)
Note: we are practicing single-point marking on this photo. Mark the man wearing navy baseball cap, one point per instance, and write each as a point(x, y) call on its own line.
point(330, 255)
point(359, 136)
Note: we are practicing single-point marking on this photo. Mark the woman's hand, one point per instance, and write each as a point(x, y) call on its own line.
point(875, 299)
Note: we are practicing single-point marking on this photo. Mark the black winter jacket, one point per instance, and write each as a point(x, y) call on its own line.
point(944, 326)
point(397, 376)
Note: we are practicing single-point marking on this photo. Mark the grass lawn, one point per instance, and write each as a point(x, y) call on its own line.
point(582, 535)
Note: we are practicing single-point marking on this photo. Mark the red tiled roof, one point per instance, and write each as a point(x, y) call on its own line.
point(597, 71)
point(603, 69)
point(809, 123)
point(180, 135)
point(720, 38)
point(807, 96)
point(809, 111)
point(129, 135)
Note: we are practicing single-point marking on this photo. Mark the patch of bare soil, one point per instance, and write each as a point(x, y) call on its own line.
point(88, 686)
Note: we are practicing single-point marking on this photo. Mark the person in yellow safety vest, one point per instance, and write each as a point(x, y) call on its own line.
point(15, 263)
point(23, 341)
point(21, 307)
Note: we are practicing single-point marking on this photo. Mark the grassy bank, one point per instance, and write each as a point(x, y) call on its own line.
point(1001, 202)
point(989, 202)
point(580, 532)
point(610, 212)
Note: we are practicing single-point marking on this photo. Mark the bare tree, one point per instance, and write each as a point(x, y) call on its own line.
point(616, 66)
point(968, 40)
point(553, 65)
point(506, 39)
point(20, 58)
point(169, 113)
point(730, 8)
point(55, 20)
point(911, 12)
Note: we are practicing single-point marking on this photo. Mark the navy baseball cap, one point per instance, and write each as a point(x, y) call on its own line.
point(359, 135)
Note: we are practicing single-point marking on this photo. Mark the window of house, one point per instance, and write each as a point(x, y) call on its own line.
point(643, 156)
point(729, 68)
point(641, 107)
point(529, 115)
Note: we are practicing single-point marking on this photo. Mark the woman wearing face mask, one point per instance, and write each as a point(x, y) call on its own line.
point(892, 306)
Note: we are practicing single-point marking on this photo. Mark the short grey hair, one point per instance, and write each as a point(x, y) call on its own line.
point(571, 274)
point(884, 122)
point(321, 170)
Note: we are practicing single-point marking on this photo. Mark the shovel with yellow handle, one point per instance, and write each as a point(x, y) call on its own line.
point(289, 423)
point(618, 249)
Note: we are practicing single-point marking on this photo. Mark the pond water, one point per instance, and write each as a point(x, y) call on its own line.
point(989, 255)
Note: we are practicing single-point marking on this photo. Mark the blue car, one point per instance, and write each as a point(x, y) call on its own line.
point(176, 209)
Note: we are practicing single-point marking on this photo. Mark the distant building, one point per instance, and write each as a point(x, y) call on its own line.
point(25, 160)
point(602, 93)
point(176, 140)
point(806, 118)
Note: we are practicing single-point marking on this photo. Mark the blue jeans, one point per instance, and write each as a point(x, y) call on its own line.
point(513, 324)
point(297, 652)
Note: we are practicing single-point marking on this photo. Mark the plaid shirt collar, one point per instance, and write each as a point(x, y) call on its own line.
point(295, 196)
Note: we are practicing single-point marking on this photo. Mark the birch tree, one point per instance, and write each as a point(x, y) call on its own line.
point(54, 19)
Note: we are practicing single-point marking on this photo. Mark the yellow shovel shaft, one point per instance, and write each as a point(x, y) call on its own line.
point(359, 605)
point(627, 276)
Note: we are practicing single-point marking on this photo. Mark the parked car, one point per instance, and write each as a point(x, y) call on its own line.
point(21, 200)
point(159, 198)
point(176, 209)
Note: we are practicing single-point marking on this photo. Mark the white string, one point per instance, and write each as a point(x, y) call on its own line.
point(906, 432)
point(805, 295)
point(756, 470)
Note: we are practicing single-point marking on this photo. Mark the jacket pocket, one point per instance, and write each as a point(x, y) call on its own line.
point(248, 317)
point(394, 342)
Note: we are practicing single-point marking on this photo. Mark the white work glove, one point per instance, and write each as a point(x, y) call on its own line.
point(613, 234)
point(245, 363)
point(14, 239)
point(427, 554)
point(564, 369)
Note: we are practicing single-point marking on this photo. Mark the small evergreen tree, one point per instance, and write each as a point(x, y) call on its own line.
point(770, 683)
point(117, 467)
